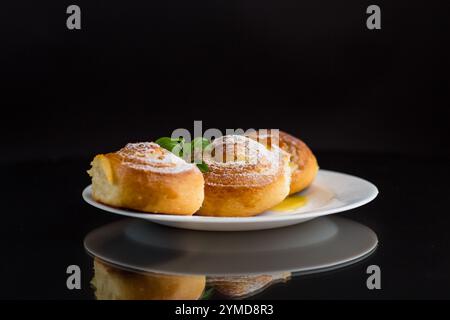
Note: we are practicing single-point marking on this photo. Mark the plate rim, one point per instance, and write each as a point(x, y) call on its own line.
point(372, 194)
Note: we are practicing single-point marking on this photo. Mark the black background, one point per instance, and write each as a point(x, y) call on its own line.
point(136, 71)
point(368, 102)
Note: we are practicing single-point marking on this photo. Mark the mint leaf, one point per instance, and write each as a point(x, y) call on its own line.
point(176, 146)
point(168, 143)
point(199, 141)
point(203, 167)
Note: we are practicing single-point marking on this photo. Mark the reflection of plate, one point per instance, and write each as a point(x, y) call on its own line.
point(331, 192)
point(323, 243)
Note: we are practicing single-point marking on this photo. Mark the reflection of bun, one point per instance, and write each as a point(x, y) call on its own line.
point(146, 177)
point(303, 162)
point(111, 283)
point(245, 286)
point(244, 177)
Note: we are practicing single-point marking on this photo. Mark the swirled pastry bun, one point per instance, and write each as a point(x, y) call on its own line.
point(146, 177)
point(112, 283)
point(244, 178)
point(303, 163)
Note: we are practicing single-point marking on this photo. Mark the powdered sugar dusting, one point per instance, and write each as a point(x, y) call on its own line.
point(235, 160)
point(150, 156)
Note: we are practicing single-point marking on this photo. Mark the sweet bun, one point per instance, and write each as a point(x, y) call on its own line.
point(303, 163)
point(244, 177)
point(146, 177)
point(112, 283)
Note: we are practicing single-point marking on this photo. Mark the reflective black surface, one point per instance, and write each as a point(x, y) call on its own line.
point(45, 221)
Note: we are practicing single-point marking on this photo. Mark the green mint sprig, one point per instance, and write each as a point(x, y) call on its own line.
point(178, 145)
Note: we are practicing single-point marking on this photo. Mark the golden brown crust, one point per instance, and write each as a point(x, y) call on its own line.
point(303, 162)
point(306, 166)
point(111, 283)
point(147, 178)
point(246, 181)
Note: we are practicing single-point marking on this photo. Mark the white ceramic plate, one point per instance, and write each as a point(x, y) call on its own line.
point(331, 192)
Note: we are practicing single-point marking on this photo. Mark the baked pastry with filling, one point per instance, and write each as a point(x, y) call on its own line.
point(145, 177)
point(244, 177)
point(303, 163)
point(112, 283)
